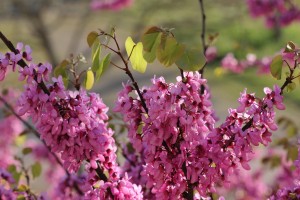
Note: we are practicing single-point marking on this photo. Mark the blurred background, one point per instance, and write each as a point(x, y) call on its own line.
point(56, 28)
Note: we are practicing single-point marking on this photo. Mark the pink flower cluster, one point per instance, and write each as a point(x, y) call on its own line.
point(121, 188)
point(110, 4)
point(178, 139)
point(173, 131)
point(11, 59)
point(74, 125)
point(275, 12)
point(229, 62)
point(71, 123)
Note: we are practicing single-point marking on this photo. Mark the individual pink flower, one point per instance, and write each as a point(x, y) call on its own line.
point(211, 53)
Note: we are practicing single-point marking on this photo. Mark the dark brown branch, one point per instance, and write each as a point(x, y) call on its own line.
point(127, 71)
point(100, 173)
point(22, 63)
point(204, 45)
point(136, 86)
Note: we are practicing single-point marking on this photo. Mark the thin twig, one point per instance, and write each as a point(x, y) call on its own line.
point(127, 71)
point(22, 63)
point(204, 46)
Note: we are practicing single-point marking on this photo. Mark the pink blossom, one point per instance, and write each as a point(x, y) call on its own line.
point(211, 53)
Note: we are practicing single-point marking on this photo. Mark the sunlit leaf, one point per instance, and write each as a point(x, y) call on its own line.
point(170, 52)
point(36, 169)
point(89, 81)
point(290, 47)
point(20, 140)
point(135, 51)
point(276, 67)
point(91, 38)
point(23, 188)
point(191, 60)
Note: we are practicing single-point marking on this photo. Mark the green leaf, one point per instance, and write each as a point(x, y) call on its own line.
point(26, 150)
point(292, 153)
point(23, 188)
point(103, 66)
point(275, 161)
point(191, 60)
point(290, 87)
point(20, 140)
point(149, 56)
point(36, 169)
point(89, 81)
point(96, 51)
point(135, 54)
point(151, 38)
point(170, 52)
point(21, 197)
point(290, 47)
point(276, 67)
point(283, 142)
point(61, 69)
point(12, 169)
point(292, 130)
point(98, 65)
point(17, 177)
point(91, 38)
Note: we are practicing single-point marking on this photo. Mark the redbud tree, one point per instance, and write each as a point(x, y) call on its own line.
point(175, 149)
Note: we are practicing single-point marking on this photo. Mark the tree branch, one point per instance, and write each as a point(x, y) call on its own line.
point(204, 45)
point(22, 63)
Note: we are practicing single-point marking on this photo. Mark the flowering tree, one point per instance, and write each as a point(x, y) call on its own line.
point(175, 150)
